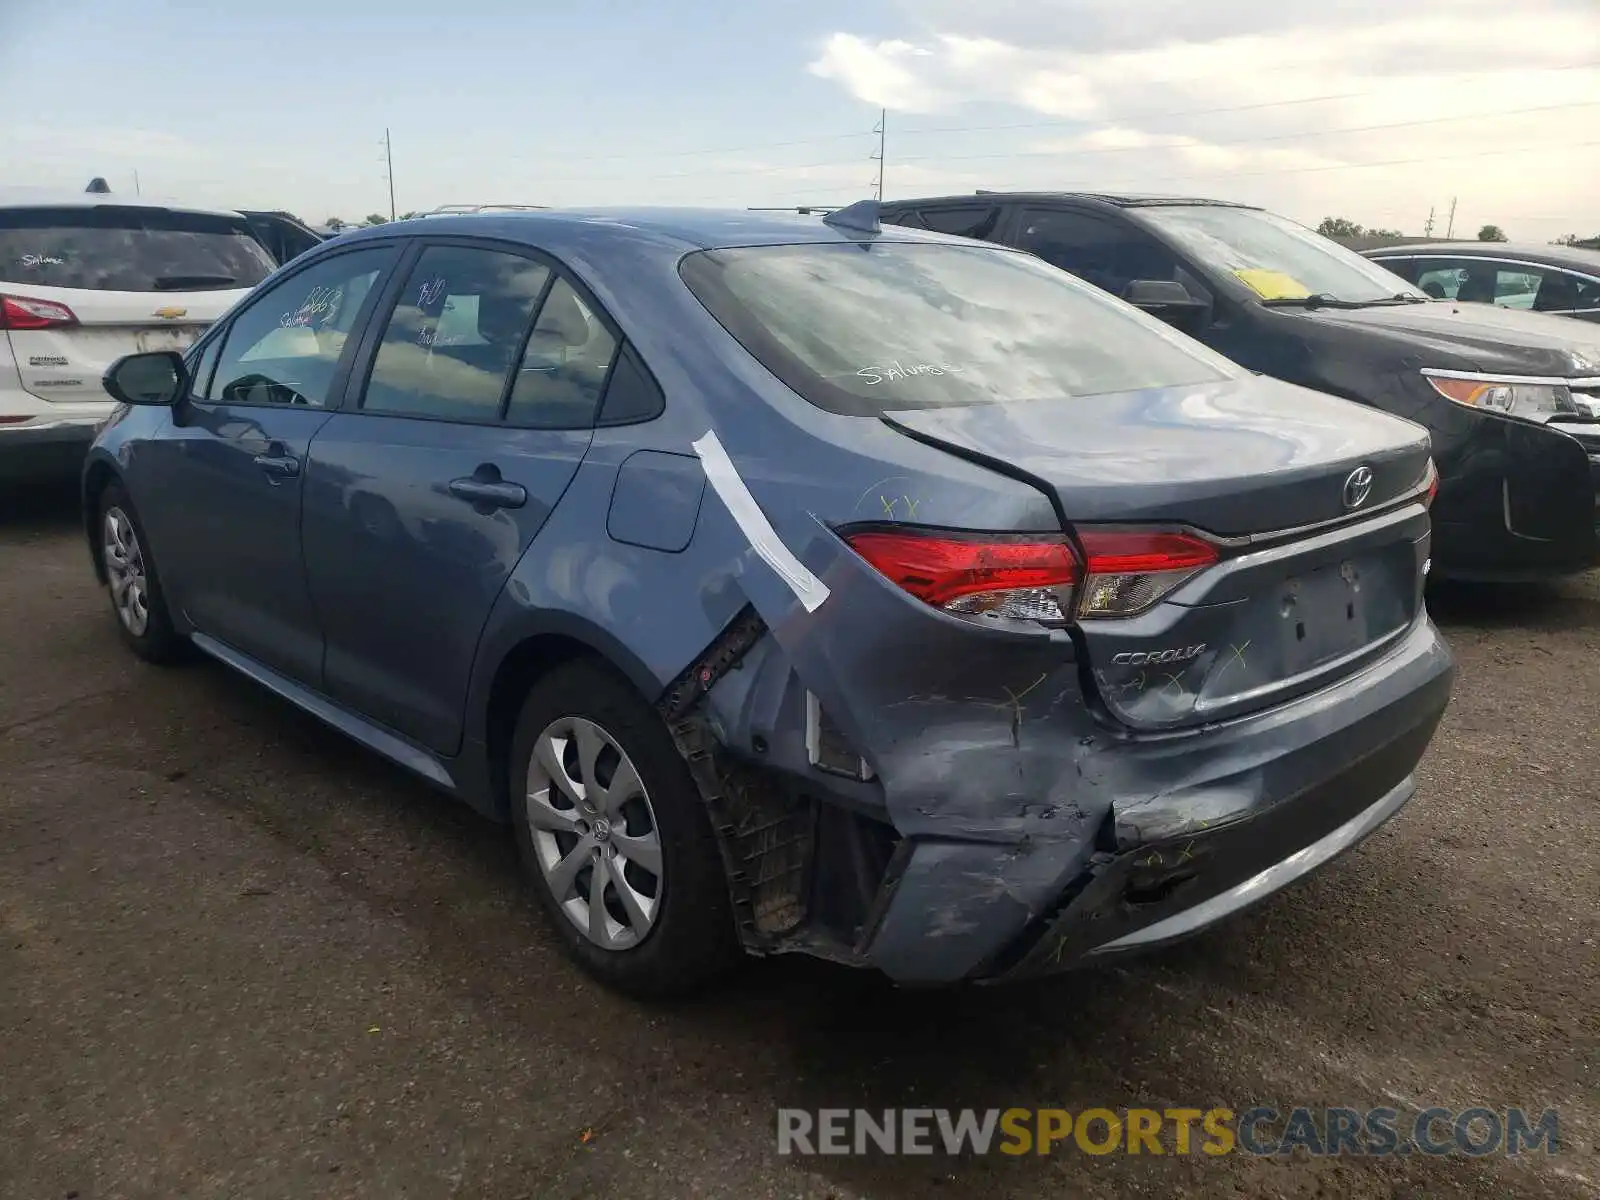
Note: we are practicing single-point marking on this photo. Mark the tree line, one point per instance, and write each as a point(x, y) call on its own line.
point(1342, 227)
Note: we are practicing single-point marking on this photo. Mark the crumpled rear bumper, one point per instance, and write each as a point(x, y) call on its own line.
point(1266, 799)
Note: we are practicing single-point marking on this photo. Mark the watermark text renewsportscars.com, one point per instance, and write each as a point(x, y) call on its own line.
point(1260, 1131)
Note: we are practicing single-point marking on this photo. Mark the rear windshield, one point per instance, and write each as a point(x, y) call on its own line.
point(110, 249)
point(864, 328)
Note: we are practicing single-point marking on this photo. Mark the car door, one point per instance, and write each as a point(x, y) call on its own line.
point(226, 483)
point(474, 409)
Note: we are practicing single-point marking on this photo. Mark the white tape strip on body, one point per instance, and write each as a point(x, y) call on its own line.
point(747, 514)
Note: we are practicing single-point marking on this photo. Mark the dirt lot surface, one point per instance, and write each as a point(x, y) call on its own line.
point(240, 957)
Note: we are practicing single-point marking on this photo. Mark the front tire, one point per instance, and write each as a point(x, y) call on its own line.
point(137, 601)
point(615, 838)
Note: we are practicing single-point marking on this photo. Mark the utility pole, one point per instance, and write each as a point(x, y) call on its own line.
point(388, 170)
point(881, 129)
point(1450, 230)
point(1427, 226)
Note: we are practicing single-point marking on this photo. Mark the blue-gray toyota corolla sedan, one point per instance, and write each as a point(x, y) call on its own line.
point(793, 584)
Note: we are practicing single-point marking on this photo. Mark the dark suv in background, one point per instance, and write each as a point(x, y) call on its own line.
point(1512, 399)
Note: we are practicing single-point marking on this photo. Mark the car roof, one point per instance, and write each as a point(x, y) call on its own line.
point(682, 229)
point(1116, 199)
point(26, 197)
point(1575, 257)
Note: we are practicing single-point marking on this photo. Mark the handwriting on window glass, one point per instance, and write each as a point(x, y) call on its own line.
point(319, 305)
point(429, 292)
point(432, 337)
point(899, 370)
point(42, 260)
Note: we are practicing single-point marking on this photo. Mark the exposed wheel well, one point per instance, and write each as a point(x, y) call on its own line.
point(94, 484)
point(517, 672)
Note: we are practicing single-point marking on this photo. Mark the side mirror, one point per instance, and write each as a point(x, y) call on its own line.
point(1160, 294)
point(1168, 300)
point(158, 378)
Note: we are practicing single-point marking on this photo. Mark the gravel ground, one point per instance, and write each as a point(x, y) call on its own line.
point(240, 957)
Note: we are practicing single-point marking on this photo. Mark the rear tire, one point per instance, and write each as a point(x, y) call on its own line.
point(137, 602)
point(615, 838)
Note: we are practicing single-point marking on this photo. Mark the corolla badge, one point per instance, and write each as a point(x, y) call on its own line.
point(1357, 487)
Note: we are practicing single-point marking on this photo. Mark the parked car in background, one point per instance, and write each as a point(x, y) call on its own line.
point(86, 278)
point(1560, 280)
point(793, 584)
point(284, 236)
point(1511, 398)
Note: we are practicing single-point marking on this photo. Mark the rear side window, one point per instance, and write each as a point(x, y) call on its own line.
point(967, 220)
point(110, 248)
point(564, 369)
point(863, 328)
point(909, 218)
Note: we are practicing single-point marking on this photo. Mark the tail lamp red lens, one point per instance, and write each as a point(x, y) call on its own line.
point(1132, 570)
point(25, 313)
point(1036, 577)
point(975, 575)
point(1431, 480)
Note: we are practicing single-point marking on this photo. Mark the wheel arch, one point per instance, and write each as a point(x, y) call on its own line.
point(516, 658)
point(98, 474)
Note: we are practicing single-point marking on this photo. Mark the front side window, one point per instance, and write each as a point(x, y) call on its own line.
point(1274, 257)
point(1482, 281)
point(867, 328)
point(285, 345)
point(1109, 254)
point(1442, 281)
point(129, 248)
point(455, 332)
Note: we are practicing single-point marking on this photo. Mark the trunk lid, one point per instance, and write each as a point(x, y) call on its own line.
point(1305, 590)
point(1233, 458)
point(64, 363)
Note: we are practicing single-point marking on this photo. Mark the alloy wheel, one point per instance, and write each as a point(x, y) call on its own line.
point(594, 833)
point(125, 569)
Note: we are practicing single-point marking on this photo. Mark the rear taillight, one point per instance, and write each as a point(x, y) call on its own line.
point(1430, 480)
point(1132, 570)
point(1024, 578)
point(21, 312)
point(1036, 577)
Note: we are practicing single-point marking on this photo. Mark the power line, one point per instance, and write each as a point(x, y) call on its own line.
point(1392, 162)
point(1197, 112)
point(1251, 141)
point(1055, 123)
point(781, 168)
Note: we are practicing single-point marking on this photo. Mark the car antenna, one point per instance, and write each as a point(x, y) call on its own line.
point(862, 216)
point(98, 186)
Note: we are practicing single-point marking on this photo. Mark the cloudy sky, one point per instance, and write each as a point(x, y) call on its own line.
point(1377, 112)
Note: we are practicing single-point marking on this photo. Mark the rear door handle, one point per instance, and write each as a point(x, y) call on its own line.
point(492, 493)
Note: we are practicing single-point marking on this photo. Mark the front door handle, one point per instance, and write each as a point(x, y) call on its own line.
point(278, 462)
point(490, 493)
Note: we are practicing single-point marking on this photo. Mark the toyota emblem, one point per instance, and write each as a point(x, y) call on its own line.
point(1357, 487)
